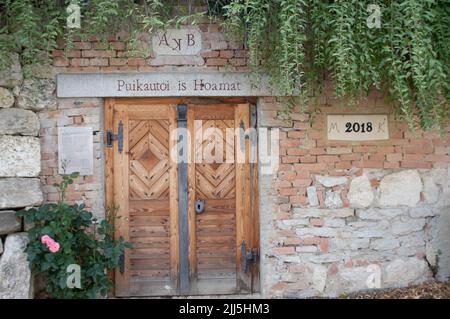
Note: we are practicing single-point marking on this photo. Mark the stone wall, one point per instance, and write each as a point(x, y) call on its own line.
point(341, 211)
point(20, 167)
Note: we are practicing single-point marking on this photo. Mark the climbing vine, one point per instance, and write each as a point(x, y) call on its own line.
point(300, 43)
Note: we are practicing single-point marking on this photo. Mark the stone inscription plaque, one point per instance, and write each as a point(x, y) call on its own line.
point(160, 84)
point(361, 127)
point(76, 147)
point(177, 42)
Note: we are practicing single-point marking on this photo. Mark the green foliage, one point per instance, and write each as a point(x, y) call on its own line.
point(83, 241)
point(298, 42)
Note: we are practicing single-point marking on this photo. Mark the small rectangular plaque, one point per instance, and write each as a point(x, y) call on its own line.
point(177, 42)
point(76, 148)
point(361, 127)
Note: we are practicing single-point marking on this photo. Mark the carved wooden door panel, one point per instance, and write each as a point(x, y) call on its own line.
point(145, 187)
point(221, 233)
point(198, 241)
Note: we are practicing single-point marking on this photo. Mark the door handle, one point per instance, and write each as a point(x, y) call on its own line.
point(199, 206)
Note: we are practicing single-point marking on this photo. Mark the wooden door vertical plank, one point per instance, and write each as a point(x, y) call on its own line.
point(192, 218)
point(254, 199)
point(174, 245)
point(242, 191)
point(108, 122)
point(121, 198)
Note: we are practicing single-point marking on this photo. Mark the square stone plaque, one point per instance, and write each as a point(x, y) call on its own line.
point(76, 147)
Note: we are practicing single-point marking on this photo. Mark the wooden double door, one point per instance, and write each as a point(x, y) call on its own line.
point(183, 177)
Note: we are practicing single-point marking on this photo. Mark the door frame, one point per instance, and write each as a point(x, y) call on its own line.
point(108, 124)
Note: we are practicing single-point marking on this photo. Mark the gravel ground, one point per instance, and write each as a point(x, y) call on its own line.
point(428, 290)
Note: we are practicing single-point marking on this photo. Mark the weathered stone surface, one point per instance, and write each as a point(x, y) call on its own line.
point(1, 246)
point(379, 214)
point(430, 190)
point(354, 278)
point(20, 156)
point(348, 243)
point(9, 223)
point(17, 121)
point(407, 226)
point(37, 95)
point(312, 196)
point(404, 272)
point(15, 274)
point(41, 71)
point(402, 188)
point(20, 192)
point(319, 212)
point(418, 212)
point(6, 98)
point(360, 194)
point(384, 244)
point(333, 199)
point(319, 278)
point(12, 76)
point(330, 181)
point(316, 231)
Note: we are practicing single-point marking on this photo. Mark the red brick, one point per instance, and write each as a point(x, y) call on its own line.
point(310, 167)
point(350, 157)
point(292, 241)
point(308, 159)
point(297, 151)
point(60, 61)
point(226, 54)
point(437, 158)
point(82, 45)
point(117, 61)
point(412, 164)
point(327, 159)
point(216, 62)
point(316, 222)
point(290, 159)
point(302, 182)
point(343, 165)
point(317, 151)
point(98, 54)
point(288, 191)
point(79, 62)
point(210, 54)
point(391, 165)
point(284, 250)
point(296, 134)
point(290, 143)
point(302, 200)
point(413, 157)
point(136, 61)
point(394, 157)
point(99, 62)
point(323, 245)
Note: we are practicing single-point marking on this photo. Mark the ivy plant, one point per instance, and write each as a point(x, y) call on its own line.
point(299, 43)
point(66, 237)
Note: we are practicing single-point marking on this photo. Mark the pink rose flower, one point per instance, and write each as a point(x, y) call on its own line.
point(54, 248)
point(45, 239)
point(51, 244)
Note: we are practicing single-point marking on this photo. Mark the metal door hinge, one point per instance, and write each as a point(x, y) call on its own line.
point(111, 137)
point(247, 258)
point(122, 263)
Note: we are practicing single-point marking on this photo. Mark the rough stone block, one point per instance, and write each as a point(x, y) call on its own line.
point(9, 223)
point(20, 192)
point(6, 98)
point(402, 188)
point(312, 196)
point(400, 272)
point(18, 122)
point(20, 156)
point(15, 274)
point(37, 95)
point(330, 181)
point(12, 76)
point(360, 194)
